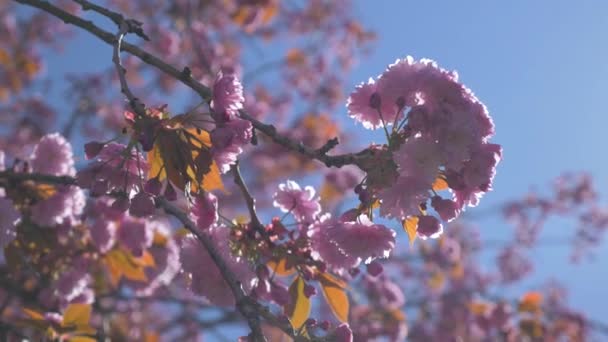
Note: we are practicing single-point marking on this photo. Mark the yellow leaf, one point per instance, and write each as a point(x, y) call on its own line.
point(121, 263)
point(174, 156)
point(298, 308)
point(335, 296)
point(436, 280)
point(81, 339)
point(280, 267)
point(329, 192)
point(410, 225)
point(440, 184)
point(76, 317)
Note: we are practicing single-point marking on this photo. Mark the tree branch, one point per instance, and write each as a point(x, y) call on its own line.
point(185, 77)
point(246, 306)
point(255, 220)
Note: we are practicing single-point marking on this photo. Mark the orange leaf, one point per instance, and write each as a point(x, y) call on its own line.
point(35, 315)
point(335, 295)
point(530, 302)
point(269, 12)
point(440, 184)
point(121, 263)
point(295, 57)
point(329, 192)
point(479, 308)
point(76, 316)
point(174, 156)
point(299, 305)
point(410, 225)
point(81, 339)
point(151, 337)
point(280, 267)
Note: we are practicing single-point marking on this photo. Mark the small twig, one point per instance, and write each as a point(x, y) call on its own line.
point(135, 104)
point(135, 26)
point(319, 154)
point(328, 146)
point(255, 220)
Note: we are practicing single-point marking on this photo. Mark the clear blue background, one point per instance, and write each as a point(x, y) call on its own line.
point(541, 67)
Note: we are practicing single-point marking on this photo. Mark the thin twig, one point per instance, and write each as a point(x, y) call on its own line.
point(255, 220)
point(134, 26)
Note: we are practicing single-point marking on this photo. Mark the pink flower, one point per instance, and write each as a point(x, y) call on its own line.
point(340, 243)
point(65, 206)
point(53, 155)
point(429, 227)
point(103, 234)
point(228, 142)
point(447, 209)
point(343, 333)
point(205, 277)
point(364, 106)
point(135, 234)
point(204, 210)
point(73, 285)
point(8, 216)
point(166, 260)
point(301, 203)
point(403, 198)
point(115, 168)
point(419, 159)
point(2, 162)
point(142, 205)
point(513, 265)
point(227, 95)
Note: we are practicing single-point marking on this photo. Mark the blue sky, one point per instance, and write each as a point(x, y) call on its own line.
point(541, 67)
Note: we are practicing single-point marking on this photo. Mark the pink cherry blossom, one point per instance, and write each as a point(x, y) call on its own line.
point(228, 141)
point(204, 276)
point(429, 227)
point(8, 216)
point(204, 210)
point(135, 234)
point(339, 243)
point(227, 94)
point(300, 202)
point(65, 206)
point(362, 109)
point(53, 155)
point(103, 234)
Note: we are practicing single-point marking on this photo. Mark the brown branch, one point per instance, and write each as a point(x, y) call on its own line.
point(134, 102)
point(253, 215)
point(87, 25)
point(36, 177)
point(185, 77)
point(135, 26)
point(245, 304)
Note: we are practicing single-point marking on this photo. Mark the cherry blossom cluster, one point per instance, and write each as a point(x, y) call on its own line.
point(439, 134)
